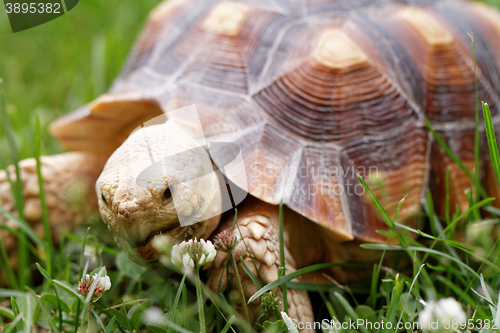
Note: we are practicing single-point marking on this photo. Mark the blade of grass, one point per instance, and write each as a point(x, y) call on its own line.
point(223, 304)
point(15, 309)
point(385, 216)
point(483, 298)
point(176, 300)
point(488, 297)
point(415, 278)
point(228, 324)
point(492, 142)
point(47, 276)
point(430, 213)
point(6, 293)
point(82, 269)
point(176, 327)
point(348, 308)
point(69, 289)
point(451, 155)
point(43, 203)
point(7, 268)
point(438, 229)
point(414, 292)
point(395, 299)
point(308, 286)
point(249, 273)
point(15, 323)
point(426, 235)
point(447, 200)
point(17, 190)
point(293, 275)
point(98, 320)
point(110, 326)
point(6, 312)
point(391, 224)
point(458, 218)
point(44, 310)
point(376, 268)
point(423, 249)
point(24, 227)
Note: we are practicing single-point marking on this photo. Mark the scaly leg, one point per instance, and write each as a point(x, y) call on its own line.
point(259, 225)
point(69, 183)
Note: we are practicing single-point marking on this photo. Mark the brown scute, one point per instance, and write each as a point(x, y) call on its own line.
point(239, 112)
point(444, 64)
point(336, 50)
point(226, 18)
point(318, 87)
point(159, 18)
point(218, 59)
point(328, 105)
point(105, 123)
point(394, 165)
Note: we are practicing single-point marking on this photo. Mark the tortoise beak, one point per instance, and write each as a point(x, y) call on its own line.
point(144, 251)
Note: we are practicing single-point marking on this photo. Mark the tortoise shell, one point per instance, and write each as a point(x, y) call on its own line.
point(314, 93)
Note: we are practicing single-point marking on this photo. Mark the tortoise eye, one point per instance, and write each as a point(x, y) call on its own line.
point(104, 199)
point(167, 194)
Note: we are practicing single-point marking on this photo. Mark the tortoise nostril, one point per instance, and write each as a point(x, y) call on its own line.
point(167, 194)
point(125, 209)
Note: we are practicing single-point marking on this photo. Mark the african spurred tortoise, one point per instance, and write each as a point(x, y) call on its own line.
point(312, 92)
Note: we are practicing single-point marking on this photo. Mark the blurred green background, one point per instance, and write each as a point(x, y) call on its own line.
point(55, 68)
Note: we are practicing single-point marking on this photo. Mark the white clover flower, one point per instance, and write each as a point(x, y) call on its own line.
point(289, 323)
point(103, 285)
point(162, 243)
point(193, 253)
point(437, 315)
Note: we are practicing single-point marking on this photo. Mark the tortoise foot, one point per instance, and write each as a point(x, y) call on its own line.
point(259, 231)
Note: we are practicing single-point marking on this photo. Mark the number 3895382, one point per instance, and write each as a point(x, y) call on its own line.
point(33, 8)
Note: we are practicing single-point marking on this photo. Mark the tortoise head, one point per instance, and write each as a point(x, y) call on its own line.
point(158, 182)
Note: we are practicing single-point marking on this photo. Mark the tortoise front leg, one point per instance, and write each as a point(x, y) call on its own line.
point(259, 226)
point(69, 184)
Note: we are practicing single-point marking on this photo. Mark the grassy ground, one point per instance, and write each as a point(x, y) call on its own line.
point(76, 57)
point(55, 68)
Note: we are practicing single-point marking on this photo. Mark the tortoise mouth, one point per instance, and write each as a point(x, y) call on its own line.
point(148, 253)
point(145, 249)
point(155, 233)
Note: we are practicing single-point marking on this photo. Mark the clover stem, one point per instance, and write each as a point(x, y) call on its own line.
point(199, 296)
point(240, 288)
point(89, 318)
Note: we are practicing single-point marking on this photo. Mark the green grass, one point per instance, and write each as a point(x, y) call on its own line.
point(76, 57)
point(57, 67)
